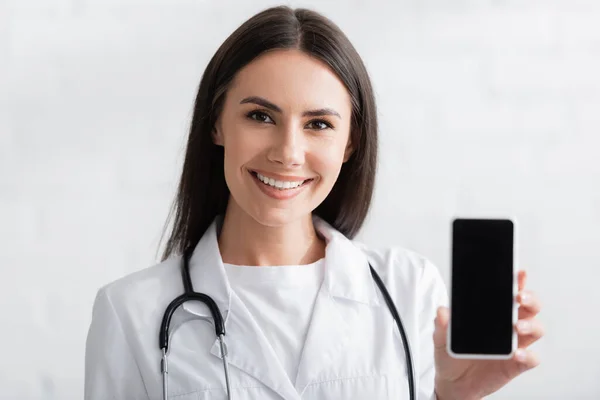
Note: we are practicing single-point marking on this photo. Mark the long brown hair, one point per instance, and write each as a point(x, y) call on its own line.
point(203, 194)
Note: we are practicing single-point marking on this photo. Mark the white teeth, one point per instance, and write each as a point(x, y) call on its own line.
point(281, 185)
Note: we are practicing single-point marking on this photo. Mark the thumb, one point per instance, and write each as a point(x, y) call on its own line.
point(441, 327)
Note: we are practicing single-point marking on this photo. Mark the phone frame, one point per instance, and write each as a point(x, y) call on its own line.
point(515, 314)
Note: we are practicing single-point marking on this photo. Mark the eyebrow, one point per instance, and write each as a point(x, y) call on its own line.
point(310, 113)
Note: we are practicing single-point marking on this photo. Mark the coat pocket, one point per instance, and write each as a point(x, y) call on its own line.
point(184, 396)
point(358, 388)
point(240, 393)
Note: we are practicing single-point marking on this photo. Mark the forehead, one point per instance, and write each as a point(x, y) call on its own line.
point(291, 79)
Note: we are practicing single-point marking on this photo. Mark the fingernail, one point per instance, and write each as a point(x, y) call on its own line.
point(524, 298)
point(521, 355)
point(523, 326)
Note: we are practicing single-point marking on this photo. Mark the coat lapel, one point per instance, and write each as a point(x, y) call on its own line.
point(334, 320)
point(247, 346)
point(327, 337)
point(250, 351)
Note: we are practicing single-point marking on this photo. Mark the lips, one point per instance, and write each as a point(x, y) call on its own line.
point(280, 184)
point(280, 177)
point(280, 194)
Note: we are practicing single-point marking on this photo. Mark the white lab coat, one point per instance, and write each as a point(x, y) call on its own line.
point(353, 349)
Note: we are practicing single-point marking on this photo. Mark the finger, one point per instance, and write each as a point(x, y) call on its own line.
point(526, 359)
point(529, 304)
point(529, 331)
point(441, 327)
point(527, 340)
point(522, 279)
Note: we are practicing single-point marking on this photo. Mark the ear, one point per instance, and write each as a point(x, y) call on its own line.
point(349, 150)
point(217, 136)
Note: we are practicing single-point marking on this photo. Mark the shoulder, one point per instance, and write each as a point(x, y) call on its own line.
point(123, 332)
point(398, 261)
point(143, 290)
point(147, 278)
point(406, 270)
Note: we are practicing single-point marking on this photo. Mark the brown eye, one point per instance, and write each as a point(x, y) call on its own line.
point(323, 124)
point(260, 116)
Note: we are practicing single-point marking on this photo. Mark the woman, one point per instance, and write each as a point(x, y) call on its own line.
point(277, 179)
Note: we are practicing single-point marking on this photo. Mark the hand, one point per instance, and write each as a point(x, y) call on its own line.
point(474, 379)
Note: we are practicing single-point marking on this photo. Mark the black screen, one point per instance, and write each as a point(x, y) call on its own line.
point(482, 286)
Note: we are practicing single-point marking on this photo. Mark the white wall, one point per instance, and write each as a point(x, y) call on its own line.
point(487, 107)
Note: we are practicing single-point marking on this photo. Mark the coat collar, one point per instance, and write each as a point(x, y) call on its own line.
point(347, 276)
point(347, 273)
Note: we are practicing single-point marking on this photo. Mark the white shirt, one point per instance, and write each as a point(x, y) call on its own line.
point(281, 300)
point(352, 348)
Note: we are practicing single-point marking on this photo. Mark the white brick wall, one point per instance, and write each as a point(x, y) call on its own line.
point(487, 107)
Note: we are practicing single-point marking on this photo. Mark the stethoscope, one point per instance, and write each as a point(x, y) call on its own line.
point(189, 295)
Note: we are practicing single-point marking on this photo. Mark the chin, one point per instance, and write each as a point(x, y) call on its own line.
point(276, 217)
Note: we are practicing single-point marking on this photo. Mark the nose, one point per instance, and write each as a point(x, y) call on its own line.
point(288, 146)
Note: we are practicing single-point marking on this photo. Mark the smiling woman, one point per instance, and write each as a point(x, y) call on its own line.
point(278, 178)
point(298, 137)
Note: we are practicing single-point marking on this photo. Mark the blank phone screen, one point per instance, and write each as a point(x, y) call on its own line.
point(482, 286)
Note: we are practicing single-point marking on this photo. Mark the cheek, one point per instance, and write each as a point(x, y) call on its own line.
point(239, 151)
point(327, 162)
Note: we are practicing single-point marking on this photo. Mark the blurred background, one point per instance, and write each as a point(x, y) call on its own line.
point(487, 108)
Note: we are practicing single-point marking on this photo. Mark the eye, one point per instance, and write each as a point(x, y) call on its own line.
point(260, 116)
point(324, 124)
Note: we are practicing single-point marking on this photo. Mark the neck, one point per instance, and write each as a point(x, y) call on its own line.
point(244, 241)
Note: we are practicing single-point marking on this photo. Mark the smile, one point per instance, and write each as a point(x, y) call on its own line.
point(282, 185)
point(280, 189)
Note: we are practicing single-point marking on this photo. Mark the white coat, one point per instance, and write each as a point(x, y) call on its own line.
point(353, 349)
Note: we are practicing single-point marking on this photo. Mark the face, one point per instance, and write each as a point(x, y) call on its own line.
point(285, 129)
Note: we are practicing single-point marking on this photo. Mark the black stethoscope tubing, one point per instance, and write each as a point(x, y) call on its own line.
point(219, 324)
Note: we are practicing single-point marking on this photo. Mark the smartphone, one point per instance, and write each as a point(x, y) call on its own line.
point(483, 289)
